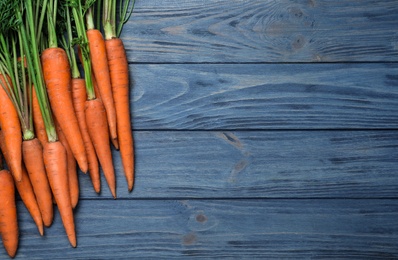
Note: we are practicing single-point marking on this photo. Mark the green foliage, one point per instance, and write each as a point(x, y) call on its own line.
point(8, 18)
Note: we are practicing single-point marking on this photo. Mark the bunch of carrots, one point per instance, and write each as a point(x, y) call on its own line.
point(64, 100)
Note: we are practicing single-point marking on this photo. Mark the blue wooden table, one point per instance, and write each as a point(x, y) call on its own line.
point(263, 129)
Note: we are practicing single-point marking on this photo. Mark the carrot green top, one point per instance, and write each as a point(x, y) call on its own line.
point(113, 22)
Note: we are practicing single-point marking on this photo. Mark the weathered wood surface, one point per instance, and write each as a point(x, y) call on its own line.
point(263, 129)
point(271, 229)
point(262, 31)
point(259, 164)
point(265, 96)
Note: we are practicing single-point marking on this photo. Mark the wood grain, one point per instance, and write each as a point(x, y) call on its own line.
point(262, 31)
point(259, 164)
point(264, 96)
point(220, 229)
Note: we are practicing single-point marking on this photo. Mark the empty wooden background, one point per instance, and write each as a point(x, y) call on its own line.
point(263, 129)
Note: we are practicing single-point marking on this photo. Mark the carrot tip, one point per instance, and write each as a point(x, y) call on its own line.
point(115, 143)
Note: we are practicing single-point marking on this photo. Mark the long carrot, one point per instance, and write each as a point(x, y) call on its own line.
point(118, 67)
point(8, 214)
point(25, 190)
point(11, 129)
point(79, 98)
point(55, 161)
point(33, 159)
point(97, 127)
point(56, 72)
point(40, 128)
point(71, 165)
point(101, 71)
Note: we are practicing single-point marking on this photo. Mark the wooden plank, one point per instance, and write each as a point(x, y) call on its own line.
point(259, 164)
point(262, 31)
point(264, 96)
point(364, 229)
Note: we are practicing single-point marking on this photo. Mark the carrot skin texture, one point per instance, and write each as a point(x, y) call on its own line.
point(11, 129)
point(71, 166)
point(101, 73)
point(97, 127)
point(25, 190)
point(38, 122)
point(57, 76)
point(34, 162)
point(118, 68)
point(55, 161)
point(8, 214)
point(79, 99)
point(28, 197)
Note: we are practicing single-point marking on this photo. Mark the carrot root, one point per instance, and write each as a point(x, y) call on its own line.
point(97, 127)
point(57, 76)
point(118, 68)
point(11, 129)
point(79, 98)
point(33, 159)
point(8, 214)
point(55, 161)
point(101, 74)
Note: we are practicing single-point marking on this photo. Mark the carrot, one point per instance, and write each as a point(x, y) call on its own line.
point(25, 189)
point(97, 127)
point(33, 159)
point(8, 214)
point(118, 68)
point(57, 76)
point(101, 73)
point(40, 128)
point(55, 161)
point(11, 128)
point(28, 197)
point(71, 165)
point(79, 98)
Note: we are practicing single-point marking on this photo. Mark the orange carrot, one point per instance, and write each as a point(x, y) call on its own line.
point(101, 73)
point(25, 190)
point(71, 164)
point(33, 159)
point(79, 98)
point(55, 162)
point(118, 68)
point(57, 76)
point(40, 128)
point(97, 127)
point(28, 197)
point(8, 214)
point(11, 128)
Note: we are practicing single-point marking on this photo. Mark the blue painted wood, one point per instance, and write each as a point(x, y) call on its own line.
point(272, 229)
point(259, 164)
point(264, 96)
point(262, 31)
point(233, 160)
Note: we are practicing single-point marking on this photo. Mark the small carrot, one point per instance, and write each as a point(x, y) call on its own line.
point(40, 128)
point(57, 76)
point(55, 161)
point(11, 128)
point(33, 159)
point(97, 127)
point(72, 170)
point(79, 98)
point(25, 190)
point(8, 214)
point(118, 68)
